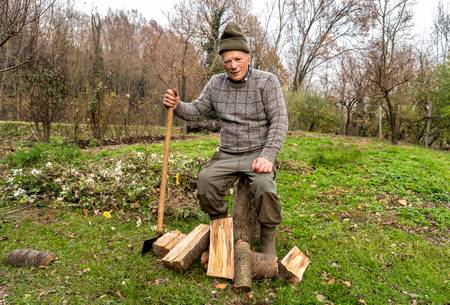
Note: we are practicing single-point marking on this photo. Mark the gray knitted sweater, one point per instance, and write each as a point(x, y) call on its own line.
point(252, 115)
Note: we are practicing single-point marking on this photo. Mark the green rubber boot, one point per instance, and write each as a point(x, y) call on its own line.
point(267, 238)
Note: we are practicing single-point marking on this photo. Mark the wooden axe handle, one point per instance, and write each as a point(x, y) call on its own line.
point(162, 189)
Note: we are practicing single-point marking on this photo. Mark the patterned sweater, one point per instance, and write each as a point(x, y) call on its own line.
point(252, 114)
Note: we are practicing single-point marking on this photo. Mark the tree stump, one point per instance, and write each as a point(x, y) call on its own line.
point(245, 225)
point(246, 228)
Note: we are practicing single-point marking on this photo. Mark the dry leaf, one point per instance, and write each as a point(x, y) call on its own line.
point(403, 202)
point(138, 222)
point(321, 298)
point(347, 283)
point(220, 286)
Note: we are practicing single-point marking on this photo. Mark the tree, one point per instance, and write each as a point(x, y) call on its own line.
point(97, 89)
point(45, 80)
point(391, 57)
point(441, 33)
point(19, 26)
point(350, 87)
point(314, 32)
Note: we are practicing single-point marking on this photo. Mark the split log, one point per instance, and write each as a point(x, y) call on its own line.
point(29, 257)
point(293, 265)
point(263, 266)
point(181, 257)
point(221, 250)
point(164, 244)
point(242, 265)
point(246, 227)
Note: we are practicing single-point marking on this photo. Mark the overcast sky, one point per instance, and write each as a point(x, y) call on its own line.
point(154, 9)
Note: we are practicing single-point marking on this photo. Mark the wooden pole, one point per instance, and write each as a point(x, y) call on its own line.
point(162, 190)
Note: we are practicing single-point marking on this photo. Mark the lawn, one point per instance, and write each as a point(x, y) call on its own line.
point(373, 219)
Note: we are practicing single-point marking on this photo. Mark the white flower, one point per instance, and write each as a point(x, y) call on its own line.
point(118, 170)
point(48, 164)
point(140, 154)
point(16, 171)
point(35, 172)
point(19, 192)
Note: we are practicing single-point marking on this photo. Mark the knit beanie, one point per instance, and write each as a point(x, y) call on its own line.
point(233, 39)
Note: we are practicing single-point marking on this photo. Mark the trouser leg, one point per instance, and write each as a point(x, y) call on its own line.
point(214, 181)
point(221, 173)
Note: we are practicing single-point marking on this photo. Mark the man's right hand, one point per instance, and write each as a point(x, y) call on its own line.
point(171, 99)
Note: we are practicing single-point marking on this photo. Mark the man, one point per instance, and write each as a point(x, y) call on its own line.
point(253, 120)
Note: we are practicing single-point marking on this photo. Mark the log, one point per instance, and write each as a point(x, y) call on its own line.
point(263, 266)
point(221, 250)
point(246, 227)
point(293, 265)
point(181, 257)
point(29, 257)
point(204, 259)
point(242, 265)
point(165, 243)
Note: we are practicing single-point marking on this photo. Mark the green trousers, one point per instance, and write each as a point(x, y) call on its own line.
point(220, 174)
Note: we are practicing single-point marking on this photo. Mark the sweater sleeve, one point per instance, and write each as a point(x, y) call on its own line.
point(195, 110)
point(276, 112)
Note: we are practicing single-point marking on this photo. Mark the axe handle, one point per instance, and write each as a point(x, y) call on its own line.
point(162, 189)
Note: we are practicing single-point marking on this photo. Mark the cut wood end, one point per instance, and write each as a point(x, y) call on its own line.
point(293, 265)
point(165, 243)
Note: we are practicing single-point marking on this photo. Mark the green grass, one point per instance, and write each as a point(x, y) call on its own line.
point(373, 218)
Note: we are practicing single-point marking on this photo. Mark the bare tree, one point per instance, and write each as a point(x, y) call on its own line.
point(441, 33)
point(350, 86)
point(391, 57)
point(314, 31)
point(20, 20)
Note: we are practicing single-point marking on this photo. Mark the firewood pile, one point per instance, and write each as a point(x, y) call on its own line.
point(225, 251)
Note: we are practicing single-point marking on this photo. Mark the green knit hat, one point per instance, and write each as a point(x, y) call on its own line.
point(233, 39)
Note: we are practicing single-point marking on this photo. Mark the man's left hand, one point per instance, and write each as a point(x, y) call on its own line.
point(262, 165)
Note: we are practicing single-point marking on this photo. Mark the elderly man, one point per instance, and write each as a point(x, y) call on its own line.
point(253, 121)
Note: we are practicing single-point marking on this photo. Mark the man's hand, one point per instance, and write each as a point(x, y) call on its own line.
point(262, 165)
point(171, 99)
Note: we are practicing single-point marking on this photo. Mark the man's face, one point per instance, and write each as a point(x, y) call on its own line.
point(236, 64)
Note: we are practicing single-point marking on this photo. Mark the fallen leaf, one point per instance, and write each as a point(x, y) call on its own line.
point(138, 222)
point(403, 202)
point(119, 294)
point(321, 298)
point(85, 212)
point(347, 283)
point(220, 286)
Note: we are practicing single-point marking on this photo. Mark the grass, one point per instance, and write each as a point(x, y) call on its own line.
point(373, 218)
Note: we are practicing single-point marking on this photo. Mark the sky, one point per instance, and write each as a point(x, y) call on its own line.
point(155, 9)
